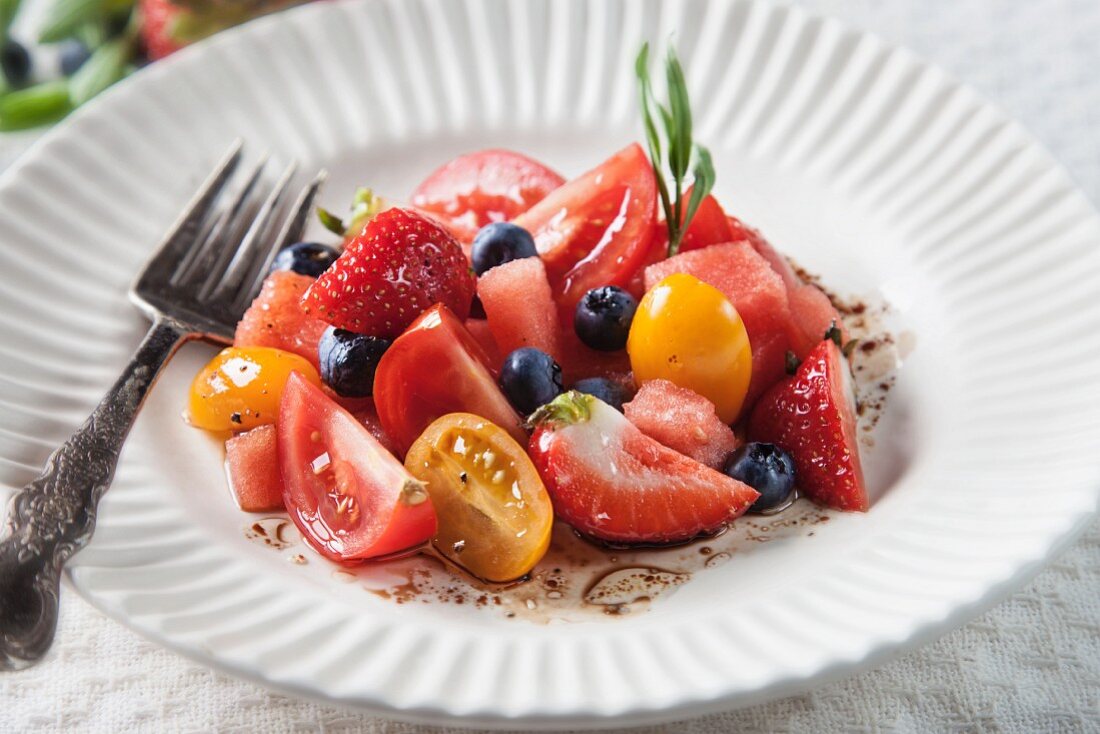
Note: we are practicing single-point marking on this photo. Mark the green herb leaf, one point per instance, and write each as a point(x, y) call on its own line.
point(676, 124)
point(30, 107)
point(65, 18)
point(331, 222)
point(106, 66)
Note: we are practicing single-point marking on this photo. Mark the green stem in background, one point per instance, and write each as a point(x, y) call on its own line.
point(675, 119)
point(40, 104)
point(8, 11)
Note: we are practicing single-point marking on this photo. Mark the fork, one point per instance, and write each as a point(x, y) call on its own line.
point(196, 286)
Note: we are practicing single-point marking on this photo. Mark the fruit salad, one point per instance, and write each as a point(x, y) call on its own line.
point(508, 349)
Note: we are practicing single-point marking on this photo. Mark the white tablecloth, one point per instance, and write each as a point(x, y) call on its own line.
point(1031, 664)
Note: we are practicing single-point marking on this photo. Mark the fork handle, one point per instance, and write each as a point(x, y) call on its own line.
point(53, 517)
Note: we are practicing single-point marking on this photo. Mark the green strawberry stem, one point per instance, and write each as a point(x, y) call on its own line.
point(566, 409)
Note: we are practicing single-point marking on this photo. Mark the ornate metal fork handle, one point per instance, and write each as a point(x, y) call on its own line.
point(53, 517)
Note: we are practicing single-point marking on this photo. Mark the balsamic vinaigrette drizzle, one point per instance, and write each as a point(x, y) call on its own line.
point(580, 578)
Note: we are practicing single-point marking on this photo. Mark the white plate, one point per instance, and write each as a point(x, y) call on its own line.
point(868, 166)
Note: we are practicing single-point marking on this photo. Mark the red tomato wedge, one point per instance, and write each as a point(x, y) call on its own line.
point(596, 229)
point(708, 227)
point(437, 367)
point(487, 186)
point(350, 498)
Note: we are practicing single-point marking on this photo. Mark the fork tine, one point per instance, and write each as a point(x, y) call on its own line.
point(257, 236)
point(182, 234)
point(213, 249)
point(292, 230)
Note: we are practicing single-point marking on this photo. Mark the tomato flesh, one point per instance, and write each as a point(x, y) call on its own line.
point(708, 227)
point(437, 367)
point(350, 498)
point(495, 515)
point(596, 229)
point(487, 186)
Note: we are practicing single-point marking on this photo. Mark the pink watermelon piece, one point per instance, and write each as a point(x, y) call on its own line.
point(682, 420)
point(769, 366)
point(519, 306)
point(276, 319)
point(252, 467)
point(747, 280)
point(480, 331)
point(780, 264)
point(812, 313)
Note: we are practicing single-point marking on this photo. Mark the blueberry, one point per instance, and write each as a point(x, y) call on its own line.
point(603, 316)
point(73, 55)
point(766, 468)
point(500, 242)
point(612, 392)
point(305, 258)
point(530, 378)
point(15, 62)
point(348, 361)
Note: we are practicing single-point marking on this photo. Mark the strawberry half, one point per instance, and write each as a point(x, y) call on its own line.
point(612, 482)
point(398, 266)
point(812, 417)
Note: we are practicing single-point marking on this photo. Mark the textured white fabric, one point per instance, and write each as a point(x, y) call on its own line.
point(1032, 664)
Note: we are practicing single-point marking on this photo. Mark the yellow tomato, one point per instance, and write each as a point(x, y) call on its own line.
point(494, 513)
point(241, 387)
point(688, 333)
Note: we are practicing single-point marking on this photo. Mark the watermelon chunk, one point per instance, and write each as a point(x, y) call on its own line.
point(519, 307)
point(747, 280)
point(276, 319)
point(252, 467)
point(682, 420)
point(812, 313)
point(780, 264)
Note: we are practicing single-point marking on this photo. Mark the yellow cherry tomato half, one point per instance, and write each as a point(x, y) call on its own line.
point(241, 387)
point(493, 511)
point(688, 333)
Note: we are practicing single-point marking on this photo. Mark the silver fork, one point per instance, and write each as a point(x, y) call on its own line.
point(196, 286)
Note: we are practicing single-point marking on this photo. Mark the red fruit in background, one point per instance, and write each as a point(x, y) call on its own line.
point(769, 366)
point(595, 230)
point(519, 307)
point(433, 369)
point(276, 318)
point(811, 416)
point(364, 411)
point(350, 498)
point(612, 482)
point(579, 361)
point(157, 19)
point(708, 227)
point(487, 186)
point(812, 313)
point(252, 468)
point(682, 420)
point(780, 264)
point(483, 335)
point(398, 266)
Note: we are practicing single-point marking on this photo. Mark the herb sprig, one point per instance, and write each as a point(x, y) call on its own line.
point(675, 122)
